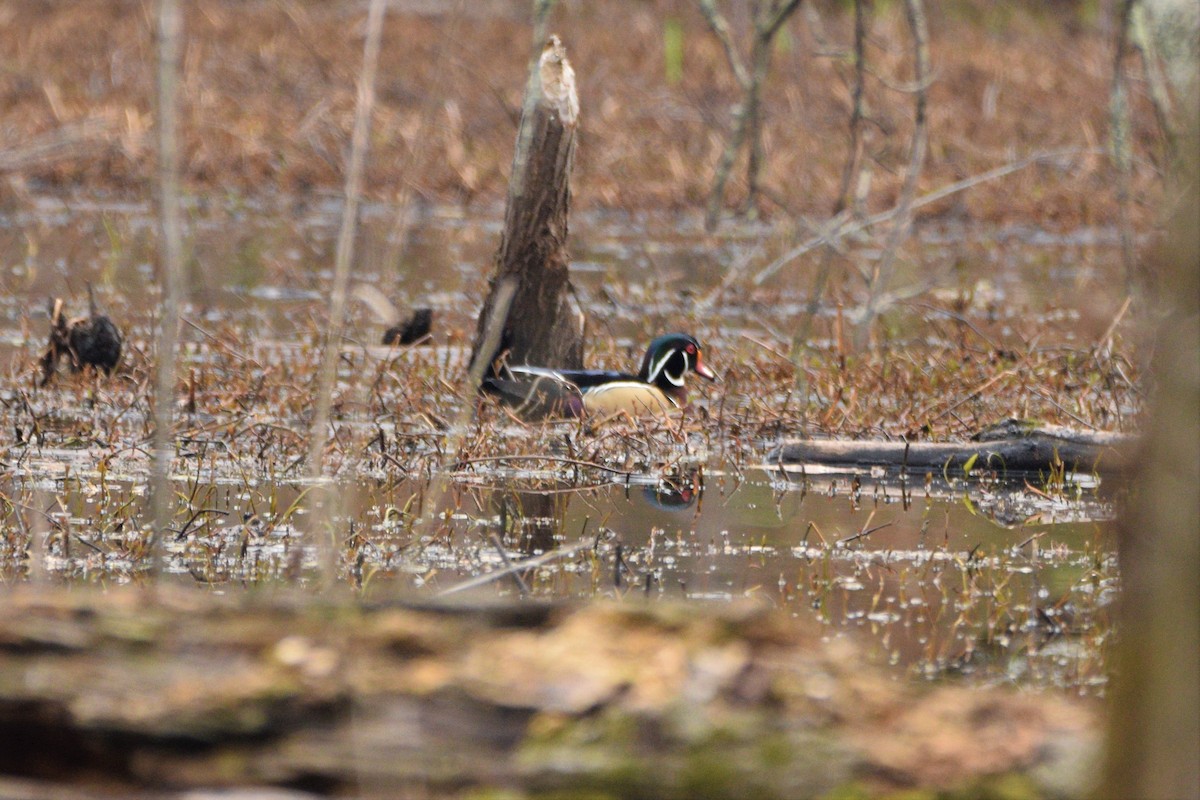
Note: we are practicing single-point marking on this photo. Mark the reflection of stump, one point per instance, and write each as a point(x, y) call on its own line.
point(536, 519)
point(544, 326)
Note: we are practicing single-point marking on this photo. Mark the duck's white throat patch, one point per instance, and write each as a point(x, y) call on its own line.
point(660, 366)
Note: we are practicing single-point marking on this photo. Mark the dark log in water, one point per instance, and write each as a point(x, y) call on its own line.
point(544, 325)
point(110, 695)
point(1011, 447)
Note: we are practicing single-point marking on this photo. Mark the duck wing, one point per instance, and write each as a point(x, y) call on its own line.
point(536, 393)
point(584, 379)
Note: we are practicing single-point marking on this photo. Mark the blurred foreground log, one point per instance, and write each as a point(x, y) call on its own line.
point(1012, 446)
point(120, 695)
point(544, 326)
point(1154, 744)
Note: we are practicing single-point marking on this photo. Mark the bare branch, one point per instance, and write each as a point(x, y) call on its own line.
point(837, 228)
point(1120, 141)
point(856, 112)
point(720, 28)
point(774, 16)
point(170, 23)
point(343, 257)
point(73, 140)
point(882, 275)
point(747, 116)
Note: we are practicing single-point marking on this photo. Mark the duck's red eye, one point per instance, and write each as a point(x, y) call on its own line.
point(691, 348)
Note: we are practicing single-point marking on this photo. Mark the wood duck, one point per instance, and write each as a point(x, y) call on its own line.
point(656, 389)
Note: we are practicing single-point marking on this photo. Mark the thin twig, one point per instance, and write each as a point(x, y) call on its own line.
point(71, 141)
point(170, 23)
point(508, 565)
point(863, 534)
point(747, 115)
point(960, 319)
point(766, 24)
point(468, 393)
point(1104, 341)
point(423, 143)
point(720, 28)
point(854, 155)
point(882, 274)
point(220, 342)
point(538, 457)
point(341, 277)
point(838, 228)
point(529, 563)
point(1120, 143)
point(1156, 82)
point(967, 398)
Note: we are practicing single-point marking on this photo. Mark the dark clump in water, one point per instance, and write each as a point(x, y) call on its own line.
point(412, 330)
point(93, 341)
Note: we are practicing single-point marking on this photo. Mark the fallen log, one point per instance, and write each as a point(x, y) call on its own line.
point(125, 693)
point(1011, 447)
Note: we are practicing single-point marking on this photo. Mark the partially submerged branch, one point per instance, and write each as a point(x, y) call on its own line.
point(1012, 447)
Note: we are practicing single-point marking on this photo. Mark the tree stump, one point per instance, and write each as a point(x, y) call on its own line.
point(544, 325)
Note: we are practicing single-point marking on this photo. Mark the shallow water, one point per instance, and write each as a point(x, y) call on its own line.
point(1002, 581)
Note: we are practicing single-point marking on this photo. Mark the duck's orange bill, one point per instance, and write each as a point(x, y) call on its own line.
point(703, 371)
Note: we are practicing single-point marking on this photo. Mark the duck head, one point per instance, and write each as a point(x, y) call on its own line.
point(668, 360)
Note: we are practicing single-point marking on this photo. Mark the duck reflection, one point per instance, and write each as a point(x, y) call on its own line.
point(532, 522)
point(678, 493)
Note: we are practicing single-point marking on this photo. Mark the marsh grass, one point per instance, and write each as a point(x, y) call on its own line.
point(267, 102)
point(617, 509)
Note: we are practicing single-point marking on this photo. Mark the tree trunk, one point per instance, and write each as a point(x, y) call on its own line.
point(544, 326)
point(1155, 734)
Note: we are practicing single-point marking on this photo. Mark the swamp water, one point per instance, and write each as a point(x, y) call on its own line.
point(1000, 580)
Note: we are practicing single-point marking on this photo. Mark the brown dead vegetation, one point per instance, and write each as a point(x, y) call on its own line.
point(267, 93)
